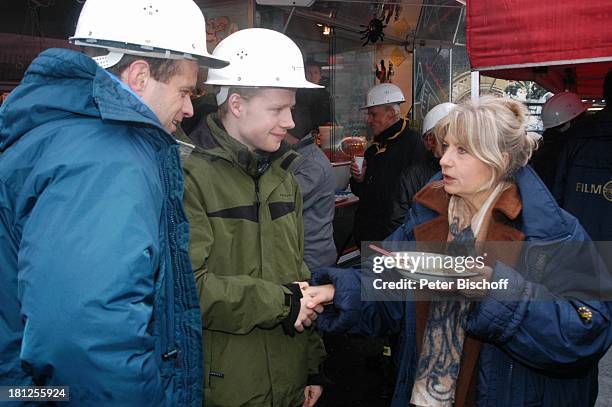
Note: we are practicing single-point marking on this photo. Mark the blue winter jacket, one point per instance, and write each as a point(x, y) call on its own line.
point(95, 280)
point(535, 352)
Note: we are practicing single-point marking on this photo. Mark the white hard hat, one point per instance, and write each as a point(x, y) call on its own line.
point(258, 58)
point(383, 94)
point(561, 108)
point(149, 28)
point(436, 114)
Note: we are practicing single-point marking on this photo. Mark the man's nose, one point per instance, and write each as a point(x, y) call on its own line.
point(188, 107)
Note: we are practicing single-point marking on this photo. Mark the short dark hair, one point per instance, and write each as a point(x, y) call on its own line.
point(162, 69)
point(607, 88)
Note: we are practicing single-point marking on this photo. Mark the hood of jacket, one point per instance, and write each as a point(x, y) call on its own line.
point(60, 83)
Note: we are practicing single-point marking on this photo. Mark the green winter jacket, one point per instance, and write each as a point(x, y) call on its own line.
point(247, 241)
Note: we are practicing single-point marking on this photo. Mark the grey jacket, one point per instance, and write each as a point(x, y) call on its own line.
point(317, 184)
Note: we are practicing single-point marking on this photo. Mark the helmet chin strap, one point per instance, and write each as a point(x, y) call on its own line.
point(222, 95)
point(565, 126)
point(108, 60)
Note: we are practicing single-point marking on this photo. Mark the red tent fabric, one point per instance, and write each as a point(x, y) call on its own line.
point(563, 44)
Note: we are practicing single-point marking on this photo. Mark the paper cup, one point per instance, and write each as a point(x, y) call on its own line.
point(359, 161)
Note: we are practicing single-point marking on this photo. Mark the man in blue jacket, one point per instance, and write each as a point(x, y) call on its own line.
point(95, 280)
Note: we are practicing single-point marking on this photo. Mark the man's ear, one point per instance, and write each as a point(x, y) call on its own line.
point(235, 104)
point(137, 76)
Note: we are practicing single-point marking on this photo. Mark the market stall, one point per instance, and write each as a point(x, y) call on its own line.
point(562, 46)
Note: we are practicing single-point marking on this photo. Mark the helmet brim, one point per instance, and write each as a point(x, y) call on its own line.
point(203, 60)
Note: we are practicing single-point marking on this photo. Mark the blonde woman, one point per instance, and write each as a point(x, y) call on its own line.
point(536, 340)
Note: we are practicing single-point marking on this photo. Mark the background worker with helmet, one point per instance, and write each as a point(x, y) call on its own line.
point(416, 175)
point(96, 285)
point(432, 118)
point(583, 183)
point(559, 114)
point(395, 147)
point(245, 212)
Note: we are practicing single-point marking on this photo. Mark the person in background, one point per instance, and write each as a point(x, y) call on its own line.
point(583, 183)
point(96, 285)
point(560, 113)
point(247, 237)
point(395, 148)
point(535, 341)
point(415, 176)
point(315, 176)
point(316, 99)
point(431, 119)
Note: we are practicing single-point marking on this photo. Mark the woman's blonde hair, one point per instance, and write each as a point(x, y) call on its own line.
point(492, 129)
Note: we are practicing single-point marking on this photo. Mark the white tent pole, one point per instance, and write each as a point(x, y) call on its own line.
point(475, 86)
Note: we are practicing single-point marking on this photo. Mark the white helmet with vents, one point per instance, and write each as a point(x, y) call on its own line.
point(150, 28)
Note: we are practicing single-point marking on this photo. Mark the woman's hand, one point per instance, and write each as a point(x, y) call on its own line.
point(319, 294)
point(485, 275)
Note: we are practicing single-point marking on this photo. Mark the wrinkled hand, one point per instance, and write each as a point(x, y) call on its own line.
point(311, 395)
point(355, 173)
point(485, 275)
point(346, 310)
point(318, 296)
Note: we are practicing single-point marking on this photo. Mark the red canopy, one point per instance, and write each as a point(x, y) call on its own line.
point(560, 44)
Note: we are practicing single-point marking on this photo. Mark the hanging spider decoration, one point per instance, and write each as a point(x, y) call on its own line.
point(373, 31)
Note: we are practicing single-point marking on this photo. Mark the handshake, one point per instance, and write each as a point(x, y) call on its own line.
point(312, 302)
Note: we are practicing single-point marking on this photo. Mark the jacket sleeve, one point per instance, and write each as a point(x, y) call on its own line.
point(356, 187)
point(88, 258)
point(231, 304)
point(351, 314)
point(542, 324)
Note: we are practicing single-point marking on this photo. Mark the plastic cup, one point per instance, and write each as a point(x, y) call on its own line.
point(359, 161)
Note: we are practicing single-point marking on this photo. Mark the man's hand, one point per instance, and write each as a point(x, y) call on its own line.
point(307, 314)
point(311, 395)
point(355, 173)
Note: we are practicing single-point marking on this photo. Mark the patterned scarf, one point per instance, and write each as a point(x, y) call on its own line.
point(440, 359)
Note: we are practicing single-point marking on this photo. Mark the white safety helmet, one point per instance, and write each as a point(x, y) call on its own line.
point(258, 58)
point(436, 114)
point(149, 28)
point(384, 94)
point(561, 108)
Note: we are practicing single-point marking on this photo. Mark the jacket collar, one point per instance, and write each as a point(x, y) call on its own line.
point(211, 138)
point(391, 133)
point(60, 83)
point(539, 216)
point(504, 212)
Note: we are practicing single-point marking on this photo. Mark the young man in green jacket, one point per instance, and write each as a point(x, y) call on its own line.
point(245, 213)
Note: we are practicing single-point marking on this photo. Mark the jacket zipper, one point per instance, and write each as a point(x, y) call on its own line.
point(173, 348)
point(525, 258)
point(257, 196)
point(509, 399)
